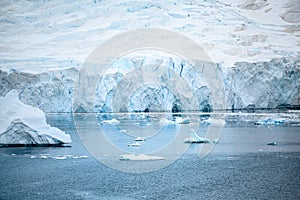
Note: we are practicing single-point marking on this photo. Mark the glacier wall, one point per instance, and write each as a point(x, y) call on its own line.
point(48, 91)
point(247, 85)
point(263, 84)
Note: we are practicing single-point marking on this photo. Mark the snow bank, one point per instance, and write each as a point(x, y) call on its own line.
point(22, 124)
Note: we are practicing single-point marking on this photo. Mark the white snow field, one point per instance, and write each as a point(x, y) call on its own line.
point(254, 45)
point(46, 35)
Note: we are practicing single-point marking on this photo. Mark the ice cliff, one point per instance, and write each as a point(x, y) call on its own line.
point(254, 45)
point(22, 124)
point(247, 85)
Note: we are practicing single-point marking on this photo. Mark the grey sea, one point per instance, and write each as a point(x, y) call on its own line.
point(255, 156)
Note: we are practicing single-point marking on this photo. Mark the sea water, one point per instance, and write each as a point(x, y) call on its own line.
point(241, 164)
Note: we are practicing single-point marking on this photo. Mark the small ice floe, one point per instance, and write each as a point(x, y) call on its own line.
point(44, 157)
point(140, 157)
point(194, 138)
point(83, 156)
point(180, 120)
point(139, 139)
point(166, 121)
point(270, 121)
point(206, 121)
point(136, 144)
point(215, 141)
point(60, 157)
point(111, 121)
point(76, 157)
point(218, 122)
point(272, 143)
point(123, 131)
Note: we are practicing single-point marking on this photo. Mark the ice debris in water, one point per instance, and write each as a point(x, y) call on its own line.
point(111, 121)
point(216, 122)
point(177, 120)
point(136, 144)
point(140, 157)
point(272, 143)
point(270, 121)
point(139, 139)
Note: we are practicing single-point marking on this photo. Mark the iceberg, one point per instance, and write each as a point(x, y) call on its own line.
point(194, 138)
point(24, 125)
point(20, 134)
point(139, 157)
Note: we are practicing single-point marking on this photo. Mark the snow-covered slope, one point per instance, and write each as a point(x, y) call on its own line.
point(254, 44)
point(24, 124)
point(38, 35)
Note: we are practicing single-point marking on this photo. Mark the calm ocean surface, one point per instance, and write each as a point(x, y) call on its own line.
point(241, 165)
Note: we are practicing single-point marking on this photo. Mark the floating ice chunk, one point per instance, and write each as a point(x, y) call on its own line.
point(140, 157)
point(139, 139)
point(180, 120)
point(44, 157)
point(270, 121)
point(19, 134)
point(22, 124)
point(272, 143)
point(76, 157)
point(194, 138)
point(60, 157)
point(83, 156)
point(217, 122)
point(215, 141)
point(166, 121)
point(111, 121)
point(123, 131)
point(136, 144)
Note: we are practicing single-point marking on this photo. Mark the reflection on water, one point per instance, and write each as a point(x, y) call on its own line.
point(158, 130)
point(240, 166)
